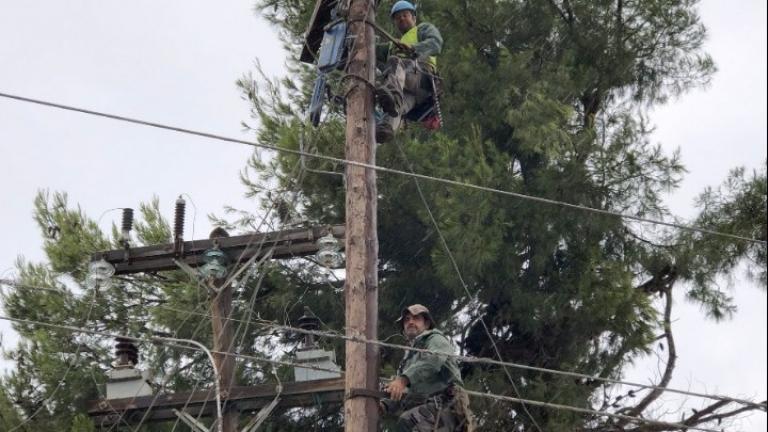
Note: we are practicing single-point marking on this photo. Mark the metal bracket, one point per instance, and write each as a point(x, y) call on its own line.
point(267, 256)
point(188, 269)
point(267, 410)
point(195, 275)
point(190, 421)
point(262, 415)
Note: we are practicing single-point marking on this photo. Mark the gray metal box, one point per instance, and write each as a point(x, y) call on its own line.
point(316, 358)
point(127, 383)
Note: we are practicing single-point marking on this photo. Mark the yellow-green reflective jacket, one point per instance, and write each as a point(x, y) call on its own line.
point(424, 38)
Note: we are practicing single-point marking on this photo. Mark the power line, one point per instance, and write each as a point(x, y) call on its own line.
point(588, 411)
point(485, 360)
point(387, 170)
point(198, 347)
point(464, 359)
point(164, 340)
point(250, 265)
point(197, 328)
point(455, 265)
point(169, 341)
point(231, 277)
point(60, 384)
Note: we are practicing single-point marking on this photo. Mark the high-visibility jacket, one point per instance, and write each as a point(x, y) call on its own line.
point(424, 38)
point(411, 37)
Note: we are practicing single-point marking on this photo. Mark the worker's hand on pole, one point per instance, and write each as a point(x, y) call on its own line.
point(396, 388)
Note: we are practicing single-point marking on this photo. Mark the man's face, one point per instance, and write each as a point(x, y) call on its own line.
point(404, 20)
point(414, 325)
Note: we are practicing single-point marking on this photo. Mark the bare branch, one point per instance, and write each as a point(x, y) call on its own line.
point(671, 355)
point(727, 414)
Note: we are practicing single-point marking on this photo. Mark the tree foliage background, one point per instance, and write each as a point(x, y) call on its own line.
point(543, 97)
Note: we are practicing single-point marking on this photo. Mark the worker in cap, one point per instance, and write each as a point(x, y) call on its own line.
point(406, 68)
point(427, 392)
point(416, 310)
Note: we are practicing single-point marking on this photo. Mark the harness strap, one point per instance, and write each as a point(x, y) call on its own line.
point(437, 417)
point(365, 393)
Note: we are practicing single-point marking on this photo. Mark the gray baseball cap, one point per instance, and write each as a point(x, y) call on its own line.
point(416, 309)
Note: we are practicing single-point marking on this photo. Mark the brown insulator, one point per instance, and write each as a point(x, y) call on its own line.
point(178, 219)
point(127, 220)
point(178, 226)
point(309, 321)
point(126, 352)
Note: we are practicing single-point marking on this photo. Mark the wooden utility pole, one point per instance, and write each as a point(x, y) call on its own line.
point(362, 245)
point(285, 244)
point(221, 308)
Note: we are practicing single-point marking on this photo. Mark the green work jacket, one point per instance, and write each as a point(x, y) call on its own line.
point(429, 374)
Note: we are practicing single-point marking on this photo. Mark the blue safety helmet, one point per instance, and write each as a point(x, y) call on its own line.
point(401, 6)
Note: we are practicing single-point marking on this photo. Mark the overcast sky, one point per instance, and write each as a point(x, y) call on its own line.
point(176, 62)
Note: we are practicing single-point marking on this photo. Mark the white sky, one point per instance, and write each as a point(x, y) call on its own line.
point(176, 63)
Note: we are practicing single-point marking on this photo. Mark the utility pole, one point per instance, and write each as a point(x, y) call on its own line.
point(221, 308)
point(214, 258)
point(362, 245)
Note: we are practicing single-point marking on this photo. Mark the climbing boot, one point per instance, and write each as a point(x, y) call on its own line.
point(388, 101)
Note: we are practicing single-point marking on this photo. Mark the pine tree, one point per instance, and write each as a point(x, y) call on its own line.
point(542, 98)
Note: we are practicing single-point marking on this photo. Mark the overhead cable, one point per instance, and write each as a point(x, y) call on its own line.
point(455, 265)
point(387, 170)
point(70, 366)
point(197, 346)
point(164, 340)
point(465, 359)
point(489, 361)
point(677, 426)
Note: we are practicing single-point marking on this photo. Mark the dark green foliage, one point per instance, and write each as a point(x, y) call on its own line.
point(738, 207)
point(543, 98)
point(58, 371)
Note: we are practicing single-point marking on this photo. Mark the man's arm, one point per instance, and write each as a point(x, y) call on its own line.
point(430, 41)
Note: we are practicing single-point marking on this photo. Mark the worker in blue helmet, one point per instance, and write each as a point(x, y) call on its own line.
point(405, 66)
